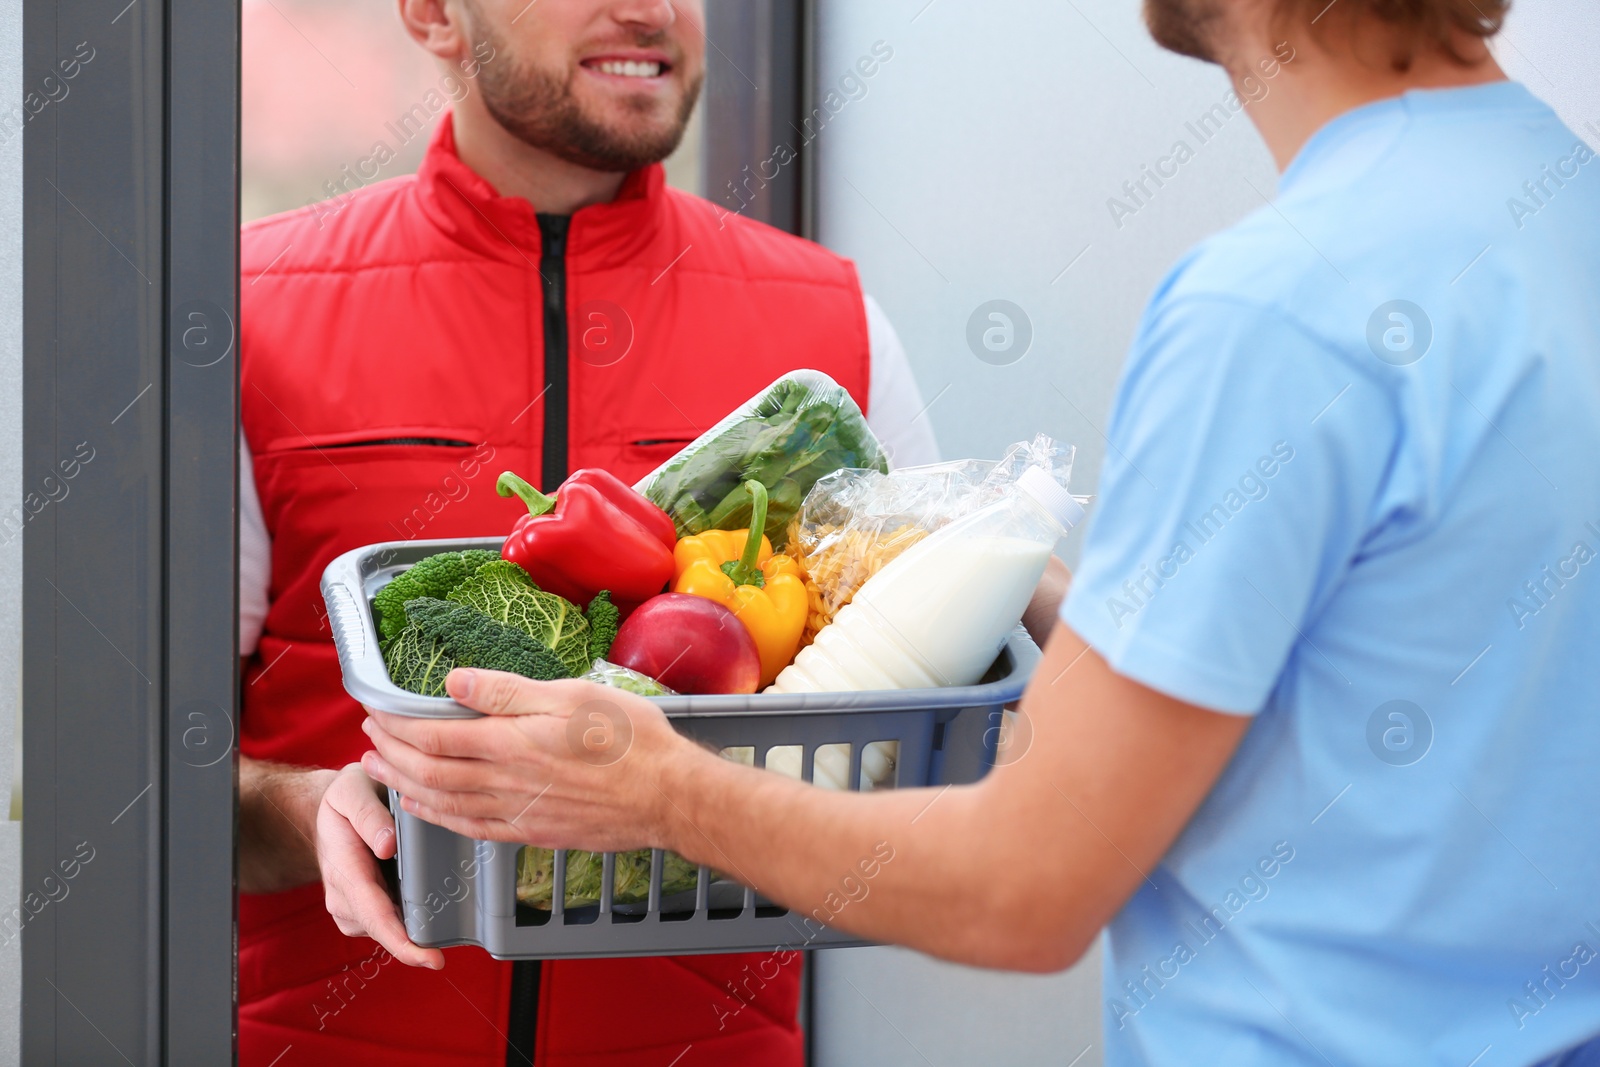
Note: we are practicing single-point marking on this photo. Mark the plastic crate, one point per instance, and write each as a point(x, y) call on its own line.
point(456, 891)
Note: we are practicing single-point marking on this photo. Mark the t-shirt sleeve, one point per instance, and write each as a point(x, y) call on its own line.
point(895, 410)
point(1244, 464)
point(255, 556)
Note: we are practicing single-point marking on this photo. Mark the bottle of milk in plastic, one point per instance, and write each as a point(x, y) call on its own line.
point(938, 614)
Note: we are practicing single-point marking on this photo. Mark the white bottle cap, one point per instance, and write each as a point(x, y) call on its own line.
point(1052, 496)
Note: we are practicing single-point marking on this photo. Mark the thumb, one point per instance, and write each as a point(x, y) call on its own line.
point(495, 692)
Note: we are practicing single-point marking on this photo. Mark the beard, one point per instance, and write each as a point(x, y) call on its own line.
point(1184, 26)
point(539, 108)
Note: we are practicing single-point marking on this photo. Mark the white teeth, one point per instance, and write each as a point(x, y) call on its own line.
point(630, 69)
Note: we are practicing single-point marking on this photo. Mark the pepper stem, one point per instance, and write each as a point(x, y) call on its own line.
point(510, 484)
point(745, 570)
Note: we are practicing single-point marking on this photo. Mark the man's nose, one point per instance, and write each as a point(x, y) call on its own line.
point(653, 15)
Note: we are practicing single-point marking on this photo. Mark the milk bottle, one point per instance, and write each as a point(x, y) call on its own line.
point(938, 614)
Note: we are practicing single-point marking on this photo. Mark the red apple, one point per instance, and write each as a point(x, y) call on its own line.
point(690, 644)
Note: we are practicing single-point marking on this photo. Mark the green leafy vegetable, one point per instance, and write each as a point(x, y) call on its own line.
point(417, 663)
point(473, 639)
point(504, 592)
point(631, 884)
point(604, 621)
point(434, 576)
point(802, 427)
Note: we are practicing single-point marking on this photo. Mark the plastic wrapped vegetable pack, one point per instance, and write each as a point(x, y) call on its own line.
point(794, 432)
point(619, 677)
point(854, 522)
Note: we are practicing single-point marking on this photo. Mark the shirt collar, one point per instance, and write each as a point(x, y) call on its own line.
point(469, 210)
point(1496, 96)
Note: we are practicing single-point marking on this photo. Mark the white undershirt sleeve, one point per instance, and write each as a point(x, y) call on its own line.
point(895, 409)
point(255, 556)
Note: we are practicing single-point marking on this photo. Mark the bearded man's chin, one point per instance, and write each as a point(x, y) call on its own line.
point(565, 132)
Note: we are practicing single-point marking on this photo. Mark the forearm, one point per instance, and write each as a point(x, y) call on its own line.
point(277, 824)
point(918, 867)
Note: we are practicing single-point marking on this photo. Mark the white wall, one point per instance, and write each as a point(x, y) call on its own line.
point(976, 167)
point(1551, 46)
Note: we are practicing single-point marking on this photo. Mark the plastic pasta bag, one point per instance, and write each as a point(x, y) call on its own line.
point(854, 522)
point(797, 430)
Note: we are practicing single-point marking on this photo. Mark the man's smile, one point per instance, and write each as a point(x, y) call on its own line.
point(640, 69)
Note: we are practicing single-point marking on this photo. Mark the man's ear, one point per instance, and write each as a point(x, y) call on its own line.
point(438, 25)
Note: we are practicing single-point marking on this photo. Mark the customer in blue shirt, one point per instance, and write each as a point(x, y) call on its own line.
point(1314, 738)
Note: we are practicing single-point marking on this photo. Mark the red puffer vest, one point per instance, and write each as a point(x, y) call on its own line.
point(393, 364)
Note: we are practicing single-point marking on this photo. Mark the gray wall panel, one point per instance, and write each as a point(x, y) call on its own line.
point(130, 164)
point(201, 577)
point(10, 398)
point(92, 598)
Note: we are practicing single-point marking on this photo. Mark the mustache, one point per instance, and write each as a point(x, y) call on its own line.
point(659, 40)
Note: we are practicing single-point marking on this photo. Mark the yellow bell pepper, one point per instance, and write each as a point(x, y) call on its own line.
point(765, 591)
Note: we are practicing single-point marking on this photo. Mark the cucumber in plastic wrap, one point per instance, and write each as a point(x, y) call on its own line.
point(799, 429)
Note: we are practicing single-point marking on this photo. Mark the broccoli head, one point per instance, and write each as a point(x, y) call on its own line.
point(434, 577)
point(473, 639)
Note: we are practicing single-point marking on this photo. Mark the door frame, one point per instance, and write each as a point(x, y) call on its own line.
point(130, 622)
point(130, 424)
point(757, 156)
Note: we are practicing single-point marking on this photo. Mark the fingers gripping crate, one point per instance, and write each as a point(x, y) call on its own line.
point(456, 891)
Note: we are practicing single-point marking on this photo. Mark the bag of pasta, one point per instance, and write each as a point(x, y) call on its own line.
point(854, 522)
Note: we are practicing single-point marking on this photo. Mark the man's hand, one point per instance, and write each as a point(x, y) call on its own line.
point(301, 824)
point(355, 831)
point(561, 764)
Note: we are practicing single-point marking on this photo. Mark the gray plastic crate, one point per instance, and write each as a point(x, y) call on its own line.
point(456, 891)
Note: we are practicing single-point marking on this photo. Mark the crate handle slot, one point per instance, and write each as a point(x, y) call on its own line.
point(608, 881)
point(658, 859)
point(345, 619)
point(558, 890)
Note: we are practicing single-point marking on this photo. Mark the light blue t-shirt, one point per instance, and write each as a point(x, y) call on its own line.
point(1353, 490)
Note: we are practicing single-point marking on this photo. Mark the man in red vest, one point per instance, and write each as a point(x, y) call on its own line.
point(534, 298)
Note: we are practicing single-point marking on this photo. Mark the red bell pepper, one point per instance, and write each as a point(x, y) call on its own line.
point(595, 533)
